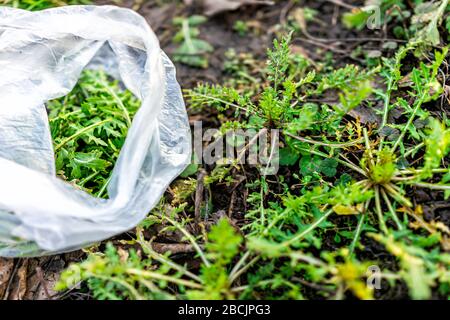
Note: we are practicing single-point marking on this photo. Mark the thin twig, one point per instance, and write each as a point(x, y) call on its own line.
point(391, 209)
point(432, 186)
point(199, 194)
point(379, 211)
point(326, 144)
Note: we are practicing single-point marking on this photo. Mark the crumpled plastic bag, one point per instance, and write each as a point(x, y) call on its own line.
point(41, 57)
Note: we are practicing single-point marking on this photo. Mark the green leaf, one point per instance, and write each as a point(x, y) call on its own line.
point(190, 170)
point(309, 165)
point(356, 19)
point(223, 242)
point(196, 20)
point(328, 167)
point(288, 157)
point(437, 145)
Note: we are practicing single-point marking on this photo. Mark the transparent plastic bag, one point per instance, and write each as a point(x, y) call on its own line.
point(41, 57)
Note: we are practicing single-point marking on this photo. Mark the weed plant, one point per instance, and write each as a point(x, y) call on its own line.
point(345, 185)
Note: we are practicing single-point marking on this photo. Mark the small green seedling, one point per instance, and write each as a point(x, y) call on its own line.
point(241, 27)
point(192, 51)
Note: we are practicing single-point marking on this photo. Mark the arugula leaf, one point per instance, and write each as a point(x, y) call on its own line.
point(89, 127)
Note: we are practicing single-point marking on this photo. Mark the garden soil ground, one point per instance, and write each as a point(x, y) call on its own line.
point(34, 278)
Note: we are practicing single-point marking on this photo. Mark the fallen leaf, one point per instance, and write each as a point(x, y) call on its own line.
point(40, 282)
point(20, 286)
point(299, 16)
point(6, 269)
point(343, 210)
point(445, 243)
point(123, 255)
point(365, 115)
point(47, 282)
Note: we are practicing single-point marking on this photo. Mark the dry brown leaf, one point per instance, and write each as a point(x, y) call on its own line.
point(6, 269)
point(299, 16)
point(447, 93)
point(20, 286)
point(40, 282)
point(445, 243)
point(123, 254)
point(365, 115)
point(212, 7)
point(432, 227)
point(47, 282)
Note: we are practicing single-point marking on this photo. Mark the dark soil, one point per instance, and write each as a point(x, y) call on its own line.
point(324, 35)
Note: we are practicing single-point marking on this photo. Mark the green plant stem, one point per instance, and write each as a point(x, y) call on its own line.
point(432, 186)
point(119, 101)
point(80, 132)
point(153, 288)
point(123, 283)
point(263, 210)
point(146, 246)
point(359, 228)
point(191, 240)
point(88, 178)
point(222, 101)
point(238, 265)
point(368, 148)
point(236, 275)
point(299, 256)
point(104, 186)
point(391, 188)
point(187, 35)
point(308, 230)
point(391, 209)
point(62, 115)
point(379, 210)
point(414, 171)
point(158, 276)
point(353, 166)
point(274, 222)
point(411, 151)
point(387, 101)
point(325, 144)
point(408, 123)
point(403, 179)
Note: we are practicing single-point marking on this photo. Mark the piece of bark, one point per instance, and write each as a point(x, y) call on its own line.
point(6, 270)
point(20, 283)
point(174, 248)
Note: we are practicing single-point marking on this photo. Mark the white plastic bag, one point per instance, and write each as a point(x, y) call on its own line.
point(41, 57)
